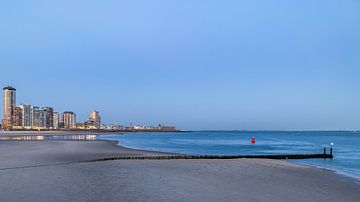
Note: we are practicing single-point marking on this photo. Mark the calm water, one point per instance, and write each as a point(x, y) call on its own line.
point(346, 145)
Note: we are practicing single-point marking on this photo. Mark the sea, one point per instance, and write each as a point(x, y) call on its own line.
point(346, 145)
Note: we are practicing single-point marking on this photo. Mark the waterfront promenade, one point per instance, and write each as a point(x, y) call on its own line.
point(59, 170)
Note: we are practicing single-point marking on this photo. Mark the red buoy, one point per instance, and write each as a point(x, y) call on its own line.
point(253, 140)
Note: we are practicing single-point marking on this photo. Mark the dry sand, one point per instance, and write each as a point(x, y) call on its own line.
point(37, 171)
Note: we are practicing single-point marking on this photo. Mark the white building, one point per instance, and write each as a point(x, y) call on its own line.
point(69, 120)
point(95, 119)
point(56, 121)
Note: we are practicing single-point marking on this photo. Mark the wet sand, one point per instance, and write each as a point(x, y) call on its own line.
point(52, 171)
point(54, 132)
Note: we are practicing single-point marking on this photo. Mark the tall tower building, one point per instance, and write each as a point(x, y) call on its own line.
point(56, 121)
point(48, 118)
point(26, 115)
point(61, 120)
point(42, 118)
point(35, 117)
point(9, 107)
point(95, 119)
point(18, 117)
point(69, 120)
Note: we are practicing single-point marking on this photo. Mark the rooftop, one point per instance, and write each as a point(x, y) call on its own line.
point(9, 88)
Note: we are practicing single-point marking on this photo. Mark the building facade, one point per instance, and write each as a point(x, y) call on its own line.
point(9, 107)
point(48, 117)
point(35, 117)
point(26, 115)
point(18, 118)
point(61, 120)
point(95, 119)
point(69, 120)
point(56, 120)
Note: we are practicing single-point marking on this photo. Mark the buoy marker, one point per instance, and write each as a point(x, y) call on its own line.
point(253, 140)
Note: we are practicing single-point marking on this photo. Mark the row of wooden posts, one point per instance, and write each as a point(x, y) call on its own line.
point(171, 157)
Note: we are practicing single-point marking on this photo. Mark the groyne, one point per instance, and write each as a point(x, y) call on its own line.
point(172, 157)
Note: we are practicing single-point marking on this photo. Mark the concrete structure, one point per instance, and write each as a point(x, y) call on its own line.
point(56, 121)
point(26, 116)
point(42, 119)
point(48, 118)
point(95, 119)
point(69, 120)
point(18, 118)
point(61, 120)
point(35, 117)
point(9, 107)
point(86, 125)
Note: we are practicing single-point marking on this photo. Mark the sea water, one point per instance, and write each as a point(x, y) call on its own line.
point(346, 148)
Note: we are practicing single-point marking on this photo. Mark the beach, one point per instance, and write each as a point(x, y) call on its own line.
point(62, 171)
point(57, 132)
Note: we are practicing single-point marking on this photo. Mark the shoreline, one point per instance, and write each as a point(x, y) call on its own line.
point(46, 133)
point(79, 132)
point(63, 171)
point(291, 161)
point(118, 144)
point(338, 172)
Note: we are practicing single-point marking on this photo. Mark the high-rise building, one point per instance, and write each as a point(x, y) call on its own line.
point(48, 114)
point(36, 117)
point(69, 120)
point(61, 120)
point(9, 107)
point(26, 115)
point(18, 117)
point(56, 121)
point(42, 118)
point(95, 119)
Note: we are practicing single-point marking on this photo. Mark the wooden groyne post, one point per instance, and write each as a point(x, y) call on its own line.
point(172, 157)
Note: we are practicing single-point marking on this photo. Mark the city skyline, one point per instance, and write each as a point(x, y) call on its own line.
point(25, 117)
point(264, 65)
point(31, 117)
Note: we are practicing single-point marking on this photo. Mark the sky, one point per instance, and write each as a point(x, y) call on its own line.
point(203, 64)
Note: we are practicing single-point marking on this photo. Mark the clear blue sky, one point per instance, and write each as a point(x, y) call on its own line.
point(196, 64)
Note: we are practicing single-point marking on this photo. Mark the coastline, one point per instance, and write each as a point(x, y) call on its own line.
point(342, 174)
point(45, 133)
point(118, 144)
point(62, 171)
point(79, 132)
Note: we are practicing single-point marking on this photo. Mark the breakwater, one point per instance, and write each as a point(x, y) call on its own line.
point(172, 157)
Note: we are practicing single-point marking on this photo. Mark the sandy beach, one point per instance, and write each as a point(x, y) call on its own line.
point(55, 171)
point(57, 132)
